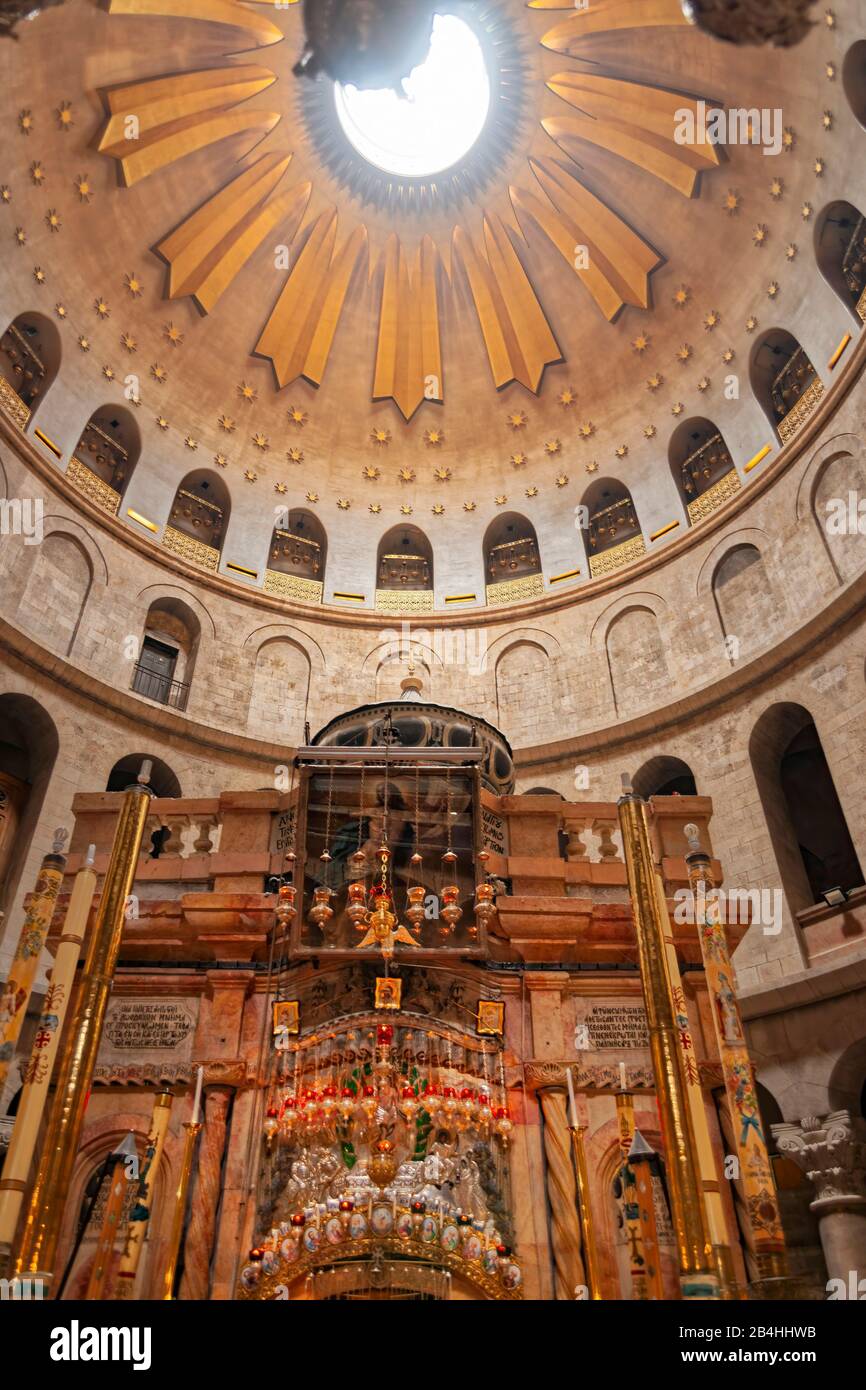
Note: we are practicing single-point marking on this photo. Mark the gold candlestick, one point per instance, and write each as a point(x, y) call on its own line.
point(587, 1225)
point(38, 1247)
point(124, 1284)
point(694, 1247)
point(37, 1075)
point(756, 1172)
point(16, 991)
point(192, 1132)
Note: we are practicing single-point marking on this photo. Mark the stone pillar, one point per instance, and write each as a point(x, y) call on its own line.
point(198, 1246)
point(562, 1194)
point(832, 1154)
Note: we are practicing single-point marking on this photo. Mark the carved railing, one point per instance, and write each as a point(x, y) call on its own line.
point(188, 548)
point(618, 555)
point(714, 497)
point(515, 590)
point(12, 405)
point(293, 586)
point(795, 417)
point(404, 600)
point(91, 486)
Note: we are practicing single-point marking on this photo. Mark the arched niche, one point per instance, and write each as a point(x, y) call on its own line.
point(702, 467)
point(166, 657)
point(612, 527)
point(839, 479)
point(404, 571)
point(745, 600)
point(198, 519)
point(29, 362)
point(297, 557)
point(512, 559)
point(784, 381)
point(56, 590)
point(840, 250)
point(281, 684)
point(854, 79)
point(807, 825)
point(105, 456)
point(639, 674)
point(28, 749)
point(664, 776)
point(124, 774)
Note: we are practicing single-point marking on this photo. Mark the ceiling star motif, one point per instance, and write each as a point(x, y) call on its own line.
point(554, 200)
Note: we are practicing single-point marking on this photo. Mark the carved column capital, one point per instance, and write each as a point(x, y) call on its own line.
point(832, 1153)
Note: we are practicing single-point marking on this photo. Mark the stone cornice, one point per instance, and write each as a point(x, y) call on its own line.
point(23, 446)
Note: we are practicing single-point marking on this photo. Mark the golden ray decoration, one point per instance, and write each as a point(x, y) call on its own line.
point(632, 120)
point(298, 335)
point(258, 26)
point(619, 262)
point(208, 249)
point(408, 352)
point(603, 16)
point(176, 115)
point(517, 335)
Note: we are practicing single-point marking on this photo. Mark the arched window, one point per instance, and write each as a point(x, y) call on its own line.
point(166, 658)
point(29, 362)
point(404, 571)
point(703, 469)
point(296, 559)
point(105, 456)
point(664, 776)
point(199, 515)
point(613, 531)
point(512, 563)
point(840, 250)
point(124, 774)
point(854, 79)
point(811, 840)
point(28, 748)
point(784, 381)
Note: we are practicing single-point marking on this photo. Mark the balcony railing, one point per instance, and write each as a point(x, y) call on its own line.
point(527, 586)
point(92, 486)
point(716, 496)
point(155, 686)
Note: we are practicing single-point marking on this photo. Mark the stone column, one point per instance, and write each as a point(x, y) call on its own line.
point(562, 1194)
point(832, 1153)
point(198, 1246)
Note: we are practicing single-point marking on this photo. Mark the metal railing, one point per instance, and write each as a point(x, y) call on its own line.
point(154, 686)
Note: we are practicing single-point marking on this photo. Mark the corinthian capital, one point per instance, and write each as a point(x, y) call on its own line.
point(831, 1152)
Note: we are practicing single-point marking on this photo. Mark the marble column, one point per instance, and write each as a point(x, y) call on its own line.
point(832, 1153)
point(562, 1195)
point(198, 1246)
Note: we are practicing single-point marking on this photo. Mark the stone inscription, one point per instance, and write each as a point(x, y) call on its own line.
point(148, 1025)
point(610, 1026)
point(493, 835)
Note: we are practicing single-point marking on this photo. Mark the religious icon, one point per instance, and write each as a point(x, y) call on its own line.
point(388, 993)
point(490, 1018)
point(287, 1018)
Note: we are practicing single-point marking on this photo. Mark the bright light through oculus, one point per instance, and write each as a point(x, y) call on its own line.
point(441, 116)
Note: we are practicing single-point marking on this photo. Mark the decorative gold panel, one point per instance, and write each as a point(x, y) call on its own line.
point(714, 497)
point(12, 405)
point(515, 590)
point(188, 548)
point(616, 557)
point(408, 357)
point(293, 586)
point(802, 410)
point(861, 306)
point(404, 600)
point(92, 487)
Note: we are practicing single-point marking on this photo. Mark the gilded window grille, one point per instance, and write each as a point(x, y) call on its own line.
point(802, 410)
point(616, 556)
point(188, 548)
point(404, 600)
point(716, 496)
point(854, 262)
point(12, 405)
point(293, 586)
point(526, 586)
point(91, 486)
point(861, 306)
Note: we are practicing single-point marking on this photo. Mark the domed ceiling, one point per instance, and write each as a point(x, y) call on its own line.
point(195, 218)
